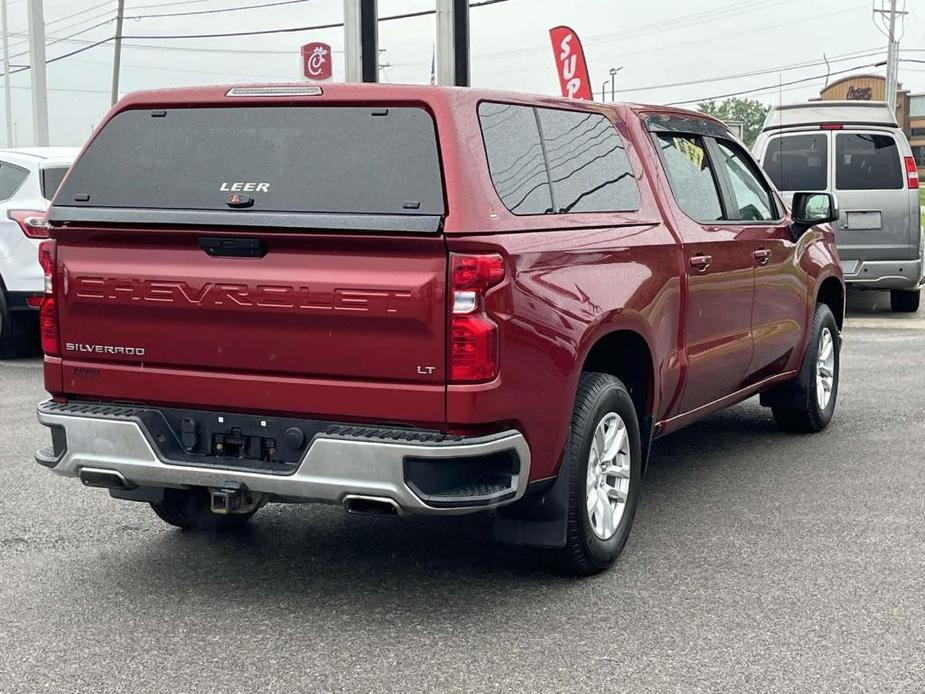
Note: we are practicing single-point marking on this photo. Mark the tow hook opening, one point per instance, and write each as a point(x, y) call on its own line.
point(371, 506)
point(234, 498)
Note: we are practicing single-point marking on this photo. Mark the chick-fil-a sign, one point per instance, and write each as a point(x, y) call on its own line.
point(316, 61)
point(570, 63)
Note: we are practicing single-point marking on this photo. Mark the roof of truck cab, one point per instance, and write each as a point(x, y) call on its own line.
point(212, 94)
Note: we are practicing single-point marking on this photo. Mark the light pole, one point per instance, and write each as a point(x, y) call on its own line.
point(604, 91)
point(613, 74)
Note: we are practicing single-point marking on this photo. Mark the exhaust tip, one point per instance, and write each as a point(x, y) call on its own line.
point(106, 479)
point(371, 506)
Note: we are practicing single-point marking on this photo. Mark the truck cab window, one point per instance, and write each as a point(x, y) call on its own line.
point(752, 197)
point(692, 179)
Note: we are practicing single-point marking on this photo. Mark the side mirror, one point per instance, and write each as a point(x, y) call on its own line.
point(810, 209)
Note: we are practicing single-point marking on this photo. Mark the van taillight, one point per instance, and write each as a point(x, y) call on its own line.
point(912, 173)
point(474, 339)
point(48, 316)
point(33, 223)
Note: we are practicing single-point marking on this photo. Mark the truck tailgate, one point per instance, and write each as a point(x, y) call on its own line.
point(319, 325)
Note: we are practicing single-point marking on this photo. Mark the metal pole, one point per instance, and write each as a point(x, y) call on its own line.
point(453, 43)
point(8, 104)
point(39, 84)
point(353, 60)
point(361, 41)
point(604, 91)
point(891, 62)
point(117, 54)
point(369, 40)
point(446, 59)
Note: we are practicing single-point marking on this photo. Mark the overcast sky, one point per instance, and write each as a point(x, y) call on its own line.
point(657, 43)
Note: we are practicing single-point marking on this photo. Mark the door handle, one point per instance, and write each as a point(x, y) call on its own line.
point(762, 256)
point(701, 262)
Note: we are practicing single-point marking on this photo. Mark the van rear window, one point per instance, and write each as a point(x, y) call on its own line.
point(302, 159)
point(798, 162)
point(867, 162)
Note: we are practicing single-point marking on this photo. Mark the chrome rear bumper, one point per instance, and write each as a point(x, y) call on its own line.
point(333, 466)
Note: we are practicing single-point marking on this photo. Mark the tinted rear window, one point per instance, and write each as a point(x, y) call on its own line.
point(51, 180)
point(867, 162)
point(798, 162)
point(288, 159)
point(545, 160)
point(587, 163)
point(515, 157)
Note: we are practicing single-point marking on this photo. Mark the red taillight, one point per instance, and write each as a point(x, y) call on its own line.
point(912, 173)
point(831, 126)
point(48, 316)
point(33, 223)
point(473, 335)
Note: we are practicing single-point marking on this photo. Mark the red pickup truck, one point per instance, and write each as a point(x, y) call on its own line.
point(420, 300)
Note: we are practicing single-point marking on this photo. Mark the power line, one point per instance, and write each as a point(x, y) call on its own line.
point(217, 10)
point(782, 68)
point(290, 30)
point(166, 4)
point(68, 37)
point(772, 86)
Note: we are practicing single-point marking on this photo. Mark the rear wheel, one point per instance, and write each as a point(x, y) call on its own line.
point(603, 461)
point(190, 509)
point(904, 301)
point(818, 378)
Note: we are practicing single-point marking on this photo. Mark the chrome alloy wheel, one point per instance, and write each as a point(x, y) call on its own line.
point(825, 368)
point(608, 482)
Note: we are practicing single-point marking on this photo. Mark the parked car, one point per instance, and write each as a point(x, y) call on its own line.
point(29, 178)
point(420, 300)
point(856, 150)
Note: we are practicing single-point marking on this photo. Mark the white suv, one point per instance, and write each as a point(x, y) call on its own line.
point(29, 178)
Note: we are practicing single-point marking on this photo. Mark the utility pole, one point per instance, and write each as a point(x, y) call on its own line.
point(892, 53)
point(361, 41)
point(453, 43)
point(117, 54)
point(8, 104)
point(39, 84)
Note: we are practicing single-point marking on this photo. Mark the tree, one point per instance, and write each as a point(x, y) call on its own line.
point(749, 111)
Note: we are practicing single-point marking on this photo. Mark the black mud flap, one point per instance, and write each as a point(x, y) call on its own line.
point(540, 520)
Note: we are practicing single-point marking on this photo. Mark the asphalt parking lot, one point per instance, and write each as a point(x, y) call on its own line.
point(759, 561)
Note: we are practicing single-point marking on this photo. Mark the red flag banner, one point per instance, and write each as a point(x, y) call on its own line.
point(570, 63)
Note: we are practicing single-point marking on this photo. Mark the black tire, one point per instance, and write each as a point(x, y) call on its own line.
point(904, 301)
point(189, 509)
point(811, 417)
point(13, 340)
point(585, 553)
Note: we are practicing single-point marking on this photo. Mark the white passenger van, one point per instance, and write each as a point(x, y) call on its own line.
point(856, 150)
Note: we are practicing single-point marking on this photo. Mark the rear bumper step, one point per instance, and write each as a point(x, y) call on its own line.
point(421, 472)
